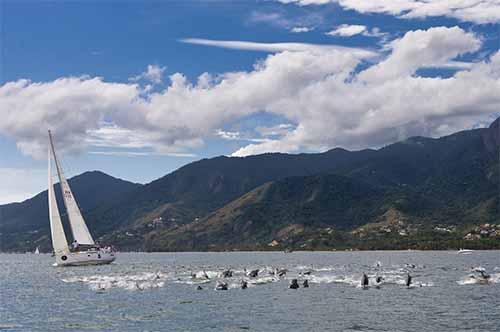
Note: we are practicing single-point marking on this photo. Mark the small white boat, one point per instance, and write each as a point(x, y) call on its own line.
point(37, 250)
point(86, 252)
point(465, 251)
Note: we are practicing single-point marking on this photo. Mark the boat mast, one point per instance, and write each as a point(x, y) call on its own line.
point(59, 242)
point(78, 227)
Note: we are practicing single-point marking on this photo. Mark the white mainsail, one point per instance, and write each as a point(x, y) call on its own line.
point(78, 227)
point(59, 242)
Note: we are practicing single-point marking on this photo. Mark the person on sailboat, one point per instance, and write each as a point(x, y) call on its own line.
point(75, 245)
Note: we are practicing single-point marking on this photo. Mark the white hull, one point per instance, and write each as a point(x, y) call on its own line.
point(465, 251)
point(85, 258)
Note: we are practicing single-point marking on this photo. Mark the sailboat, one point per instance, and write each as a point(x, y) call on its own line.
point(37, 250)
point(83, 251)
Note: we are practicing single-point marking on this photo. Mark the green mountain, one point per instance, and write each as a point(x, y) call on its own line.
point(406, 195)
point(420, 193)
point(26, 225)
point(281, 210)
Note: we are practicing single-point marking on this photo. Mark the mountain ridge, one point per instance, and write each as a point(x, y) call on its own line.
point(429, 181)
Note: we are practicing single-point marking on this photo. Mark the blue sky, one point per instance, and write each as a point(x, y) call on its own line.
point(122, 84)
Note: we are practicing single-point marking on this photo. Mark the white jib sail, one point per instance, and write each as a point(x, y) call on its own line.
point(78, 227)
point(59, 242)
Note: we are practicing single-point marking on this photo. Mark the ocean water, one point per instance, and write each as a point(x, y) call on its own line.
point(158, 292)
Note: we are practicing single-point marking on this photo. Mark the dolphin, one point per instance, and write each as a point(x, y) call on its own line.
point(364, 281)
point(221, 286)
point(294, 284)
point(227, 274)
point(408, 280)
point(253, 273)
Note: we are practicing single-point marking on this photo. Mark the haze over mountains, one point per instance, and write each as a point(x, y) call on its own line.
point(417, 193)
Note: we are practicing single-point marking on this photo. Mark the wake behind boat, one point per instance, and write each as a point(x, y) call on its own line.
point(84, 251)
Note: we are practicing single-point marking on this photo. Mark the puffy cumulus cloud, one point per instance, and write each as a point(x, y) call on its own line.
point(69, 106)
point(388, 101)
point(175, 118)
point(422, 48)
point(194, 109)
point(320, 91)
point(477, 11)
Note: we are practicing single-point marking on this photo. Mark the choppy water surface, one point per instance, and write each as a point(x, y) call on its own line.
point(158, 292)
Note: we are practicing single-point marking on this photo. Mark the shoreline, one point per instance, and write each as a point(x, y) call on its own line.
point(455, 251)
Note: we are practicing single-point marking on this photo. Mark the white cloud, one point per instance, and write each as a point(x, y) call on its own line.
point(153, 74)
point(388, 101)
point(228, 135)
point(280, 47)
point(477, 11)
point(176, 118)
point(346, 30)
point(267, 147)
point(422, 48)
point(301, 29)
point(318, 90)
point(69, 106)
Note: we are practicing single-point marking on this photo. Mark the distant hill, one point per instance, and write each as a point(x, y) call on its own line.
point(25, 224)
point(403, 195)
